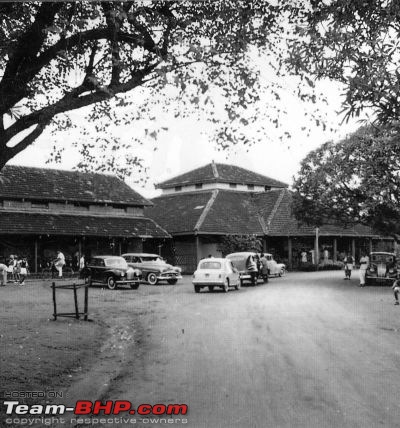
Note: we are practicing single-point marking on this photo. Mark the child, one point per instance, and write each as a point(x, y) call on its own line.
point(396, 290)
point(348, 266)
point(23, 271)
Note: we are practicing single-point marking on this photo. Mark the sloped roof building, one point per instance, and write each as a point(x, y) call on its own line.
point(200, 206)
point(42, 210)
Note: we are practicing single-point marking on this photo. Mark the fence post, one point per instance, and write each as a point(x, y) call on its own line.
point(76, 303)
point(86, 300)
point(53, 286)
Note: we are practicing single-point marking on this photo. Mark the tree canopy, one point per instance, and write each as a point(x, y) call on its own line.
point(56, 57)
point(356, 180)
point(356, 43)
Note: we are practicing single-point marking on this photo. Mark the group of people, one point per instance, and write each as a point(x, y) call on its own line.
point(257, 266)
point(349, 265)
point(16, 269)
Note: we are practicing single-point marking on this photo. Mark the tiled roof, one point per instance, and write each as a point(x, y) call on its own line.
point(231, 212)
point(178, 213)
point(221, 173)
point(51, 184)
point(284, 223)
point(48, 224)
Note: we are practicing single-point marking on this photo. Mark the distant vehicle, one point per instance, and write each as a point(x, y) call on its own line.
point(112, 271)
point(216, 272)
point(153, 267)
point(274, 268)
point(382, 269)
point(246, 272)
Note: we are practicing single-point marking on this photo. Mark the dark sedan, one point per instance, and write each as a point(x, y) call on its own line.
point(112, 271)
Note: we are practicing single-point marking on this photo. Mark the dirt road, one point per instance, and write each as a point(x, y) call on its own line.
point(306, 350)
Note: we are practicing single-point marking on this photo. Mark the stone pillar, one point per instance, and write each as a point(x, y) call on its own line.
point(197, 248)
point(334, 250)
point(290, 261)
point(36, 256)
point(353, 248)
point(370, 245)
point(264, 242)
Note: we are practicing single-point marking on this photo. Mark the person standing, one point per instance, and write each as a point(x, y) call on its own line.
point(23, 271)
point(364, 262)
point(251, 268)
point(264, 267)
point(303, 256)
point(396, 290)
point(3, 274)
point(348, 266)
point(82, 262)
point(59, 263)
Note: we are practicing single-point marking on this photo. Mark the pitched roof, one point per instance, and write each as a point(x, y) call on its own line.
point(218, 211)
point(47, 224)
point(232, 212)
point(50, 184)
point(221, 173)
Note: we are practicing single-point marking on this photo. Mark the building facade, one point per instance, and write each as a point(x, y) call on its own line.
point(201, 206)
point(43, 210)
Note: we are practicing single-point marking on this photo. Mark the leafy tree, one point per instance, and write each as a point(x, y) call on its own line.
point(236, 243)
point(356, 43)
point(356, 180)
point(56, 57)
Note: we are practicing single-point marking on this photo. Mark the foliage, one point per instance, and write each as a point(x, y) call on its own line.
point(356, 43)
point(118, 62)
point(236, 243)
point(356, 180)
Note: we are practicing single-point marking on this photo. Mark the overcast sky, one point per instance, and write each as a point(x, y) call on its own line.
point(185, 146)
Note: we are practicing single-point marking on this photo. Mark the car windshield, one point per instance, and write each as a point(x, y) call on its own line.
point(382, 258)
point(116, 262)
point(210, 265)
point(153, 259)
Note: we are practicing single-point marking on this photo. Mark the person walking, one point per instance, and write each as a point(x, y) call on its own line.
point(348, 266)
point(23, 270)
point(251, 268)
point(59, 263)
point(396, 290)
point(364, 263)
point(264, 267)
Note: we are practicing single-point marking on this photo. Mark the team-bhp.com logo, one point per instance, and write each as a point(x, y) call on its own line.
point(84, 407)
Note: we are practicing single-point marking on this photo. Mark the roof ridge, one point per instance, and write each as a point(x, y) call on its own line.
point(275, 209)
point(206, 210)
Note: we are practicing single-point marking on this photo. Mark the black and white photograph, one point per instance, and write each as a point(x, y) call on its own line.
point(200, 213)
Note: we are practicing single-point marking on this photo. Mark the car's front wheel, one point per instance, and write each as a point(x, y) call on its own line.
point(111, 283)
point(135, 286)
point(238, 285)
point(282, 272)
point(152, 279)
point(226, 285)
point(172, 281)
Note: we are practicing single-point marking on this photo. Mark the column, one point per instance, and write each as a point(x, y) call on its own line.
point(264, 242)
point(334, 250)
point(197, 248)
point(370, 245)
point(353, 248)
point(79, 249)
point(36, 256)
point(316, 246)
point(290, 261)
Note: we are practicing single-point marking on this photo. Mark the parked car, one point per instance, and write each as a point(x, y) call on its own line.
point(111, 270)
point(274, 268)
point(153, 267)
point(382, 269)
point(216, 272)
point(241, 263)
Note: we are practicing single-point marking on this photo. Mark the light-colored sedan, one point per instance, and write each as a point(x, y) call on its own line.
point(274, 268)
point(216, 272)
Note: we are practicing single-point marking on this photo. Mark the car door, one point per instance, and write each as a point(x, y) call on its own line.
point(94, 269)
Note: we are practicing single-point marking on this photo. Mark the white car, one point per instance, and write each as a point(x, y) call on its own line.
point(274, 268)
point(216, 272)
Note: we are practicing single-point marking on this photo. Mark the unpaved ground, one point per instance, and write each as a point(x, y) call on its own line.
point(307, 350)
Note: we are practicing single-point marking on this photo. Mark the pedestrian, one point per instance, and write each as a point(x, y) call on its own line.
point(364, 262)
point(10, 266)
point(23, 270)
point(303, 256)
point(325, 255)
point(264, 267)
point(396, 290)
point(348, 266)
point(251, 267)
point(82, 262)
point(3, 274)
point(59, 262)
point(16, 269)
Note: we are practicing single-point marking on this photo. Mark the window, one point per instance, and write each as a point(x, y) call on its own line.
point(266, 188)
point(178, 188)
point(232, 185)
point(210, 265)
point(199, 186)
point(250, 186)
point(43, 205)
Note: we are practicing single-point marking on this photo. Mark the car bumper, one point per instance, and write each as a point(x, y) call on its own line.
point(128, 281)
point(169, 276)
point(204, 283)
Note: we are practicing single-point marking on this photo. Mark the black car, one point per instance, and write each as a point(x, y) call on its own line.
point(111, 270)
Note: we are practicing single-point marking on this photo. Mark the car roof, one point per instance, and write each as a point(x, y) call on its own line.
point(243, 253)
point(105, 257)
point(213, 259)
point(141, 255)
point(383, 252)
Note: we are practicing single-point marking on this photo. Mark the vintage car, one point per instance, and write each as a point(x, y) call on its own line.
point(112, 271)
point(274, 268)
point(241, 263)
point(153, 267)
point(216, 272)
point(382, 269)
